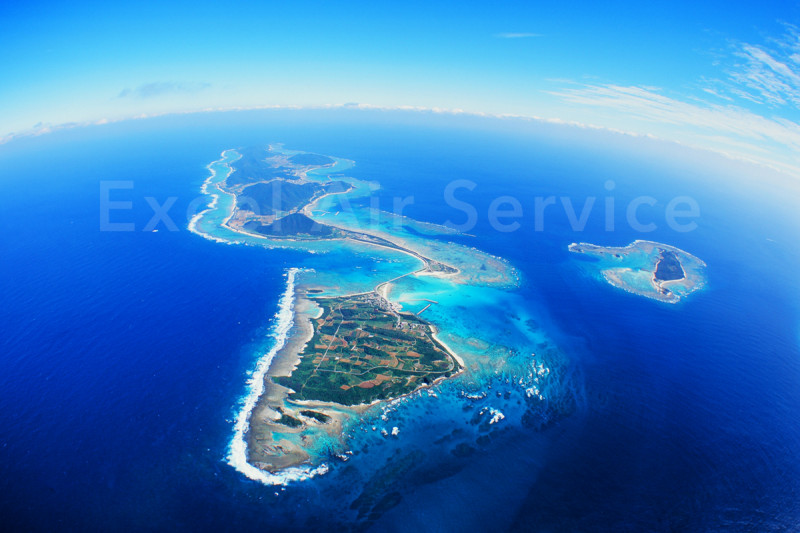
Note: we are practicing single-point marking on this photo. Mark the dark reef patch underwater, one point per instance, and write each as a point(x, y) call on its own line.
point(126, 353)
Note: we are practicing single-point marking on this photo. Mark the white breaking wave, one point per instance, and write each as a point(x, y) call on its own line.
point(237, 451)
point(284, 320)
point(214, 198)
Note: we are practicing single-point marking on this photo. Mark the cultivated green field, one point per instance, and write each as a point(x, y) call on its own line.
point(363, 350)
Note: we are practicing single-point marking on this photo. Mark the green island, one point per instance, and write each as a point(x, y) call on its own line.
point(364, 350)
point(646, 268)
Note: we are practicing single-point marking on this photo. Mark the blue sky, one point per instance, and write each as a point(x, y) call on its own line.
point(720, 75)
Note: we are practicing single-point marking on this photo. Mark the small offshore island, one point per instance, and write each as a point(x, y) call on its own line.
point(647, 268)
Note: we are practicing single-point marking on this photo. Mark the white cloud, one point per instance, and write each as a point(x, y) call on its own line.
point(749, 111)
point(727, 128)
point(768, 73)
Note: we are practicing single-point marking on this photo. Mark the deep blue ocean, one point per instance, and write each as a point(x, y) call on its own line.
point(124, 353)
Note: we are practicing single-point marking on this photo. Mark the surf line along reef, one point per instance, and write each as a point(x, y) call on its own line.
point(351, 332)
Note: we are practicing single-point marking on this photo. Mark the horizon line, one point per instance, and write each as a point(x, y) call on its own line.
point(787, 170)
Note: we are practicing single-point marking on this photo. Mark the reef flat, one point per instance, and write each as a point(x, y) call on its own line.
point(646, 268)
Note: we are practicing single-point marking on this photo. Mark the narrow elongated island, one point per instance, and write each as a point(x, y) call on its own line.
point(361, 348)
point(350, 340)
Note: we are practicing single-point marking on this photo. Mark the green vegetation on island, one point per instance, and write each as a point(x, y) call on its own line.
point(287, 420)
point(291, 225)
point(364, 350)
point(252, 167)
point(319, 417)
point(668, 267)
point(275, 196)
point(311, 159)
